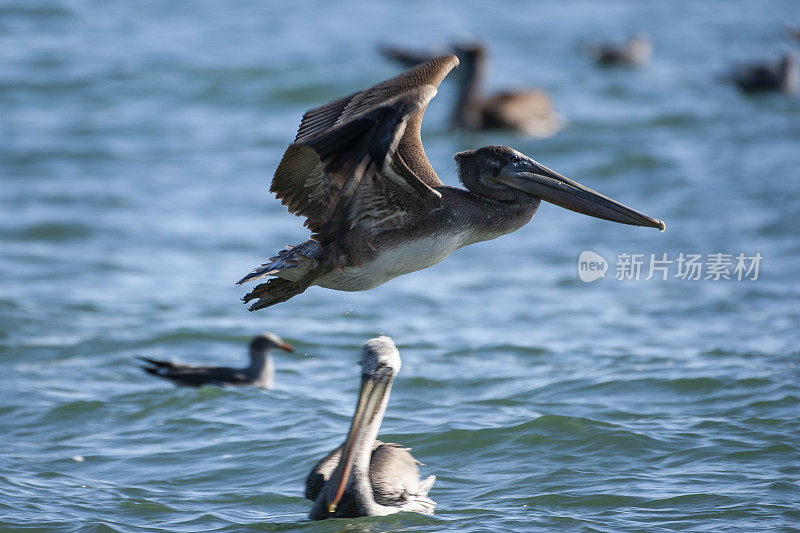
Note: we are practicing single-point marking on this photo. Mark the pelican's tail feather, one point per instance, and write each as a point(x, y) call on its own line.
point(299, 259)
point(419, 501)
point(419, 504)
point(274, 291)
point(294, 269)
point(426, 484)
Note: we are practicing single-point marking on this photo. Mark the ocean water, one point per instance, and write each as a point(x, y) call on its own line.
point(137, 143)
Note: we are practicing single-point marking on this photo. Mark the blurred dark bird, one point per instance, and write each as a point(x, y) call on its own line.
point(783, 76)
point(635, 52)
point(358, 173)
point(258, 374)
point(408, 57)
point(527, 111)
point(793, 31)
point(364, 476)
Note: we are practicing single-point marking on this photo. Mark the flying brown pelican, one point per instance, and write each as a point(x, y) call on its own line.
point(258, 374)
point(527, 111)
point(358, 172)
point(364, 476)
point(635, 52)
point(783, 76)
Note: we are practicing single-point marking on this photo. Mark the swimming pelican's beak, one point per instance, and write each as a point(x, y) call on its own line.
point(529, 176)
point(286, 346)
point(370, 398)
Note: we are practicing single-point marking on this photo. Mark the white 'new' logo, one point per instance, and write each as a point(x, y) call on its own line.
point(591, 266)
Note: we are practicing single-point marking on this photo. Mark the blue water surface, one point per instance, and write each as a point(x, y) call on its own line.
point(137, 141)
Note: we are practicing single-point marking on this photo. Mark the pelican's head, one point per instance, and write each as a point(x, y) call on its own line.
point(265, 342)
point(501, 173)
point(380, 359)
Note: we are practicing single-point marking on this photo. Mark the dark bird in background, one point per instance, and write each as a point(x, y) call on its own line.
point(364, 476)
point(408, 57)
point(526, 111)
point(793, 31)
point(358, 173)
point(775, 76)
point(635, 52)
point(258, 374)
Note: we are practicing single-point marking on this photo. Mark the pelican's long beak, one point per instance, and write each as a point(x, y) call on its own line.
point(369, 403)
point(537, 180)
point(286, 346)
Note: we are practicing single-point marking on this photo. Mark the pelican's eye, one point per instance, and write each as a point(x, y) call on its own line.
point(515, 158)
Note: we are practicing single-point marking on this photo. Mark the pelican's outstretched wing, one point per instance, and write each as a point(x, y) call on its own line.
point(359, 160)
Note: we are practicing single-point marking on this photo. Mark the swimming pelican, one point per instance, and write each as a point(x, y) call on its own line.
point(358, 172)
point(364, 476)
point(783, 76)
point(258, 374)
point(635, 52)
point(527, 111)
